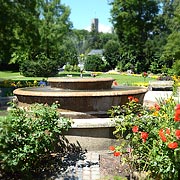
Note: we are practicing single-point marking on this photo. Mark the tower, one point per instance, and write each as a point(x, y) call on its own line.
point(94, 24)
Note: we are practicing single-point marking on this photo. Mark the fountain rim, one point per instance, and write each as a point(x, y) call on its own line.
point(79, 79)
point(95, 93)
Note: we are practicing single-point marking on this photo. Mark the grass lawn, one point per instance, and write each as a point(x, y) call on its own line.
point(4, 75)
point(127, 79)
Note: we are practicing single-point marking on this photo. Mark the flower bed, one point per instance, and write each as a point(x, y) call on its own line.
point(152, 137)
point(7, 86)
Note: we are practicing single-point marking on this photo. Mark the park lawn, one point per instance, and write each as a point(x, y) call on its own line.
point(4, 75)
point(9, 75)
point(129, 79)
point(125, 79)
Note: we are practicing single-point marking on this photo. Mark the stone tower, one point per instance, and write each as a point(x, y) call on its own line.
point(94, 24)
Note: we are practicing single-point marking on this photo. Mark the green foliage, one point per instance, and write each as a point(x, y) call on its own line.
point(54, 26)
point(42, 66)
point(29, 135)
point(134, 24)
point(72, 68)
point(95, 63)
point(171, 50)
point(176, 68)
point(151, 137)
point(111, 53)
point(18, 28)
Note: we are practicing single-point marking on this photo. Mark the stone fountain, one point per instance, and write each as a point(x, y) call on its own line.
point(86, 101)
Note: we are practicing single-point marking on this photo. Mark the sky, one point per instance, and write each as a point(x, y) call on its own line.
point(83, 11)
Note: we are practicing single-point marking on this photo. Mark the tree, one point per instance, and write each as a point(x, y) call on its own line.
point(46, 34)
point(134, 23)
point(18, 30)
point(171, 51)
point(111, 53)
point(54, 26)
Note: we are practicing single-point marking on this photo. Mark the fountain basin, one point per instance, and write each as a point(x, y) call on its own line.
point(81, 83)
point(86, 101)
point(80, 103)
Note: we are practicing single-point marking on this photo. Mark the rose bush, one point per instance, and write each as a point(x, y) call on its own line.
point(151, 137)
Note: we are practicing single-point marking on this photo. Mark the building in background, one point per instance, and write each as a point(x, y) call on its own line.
point(94, 24)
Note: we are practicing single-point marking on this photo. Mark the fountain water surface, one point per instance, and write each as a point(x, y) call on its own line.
point(80, 97)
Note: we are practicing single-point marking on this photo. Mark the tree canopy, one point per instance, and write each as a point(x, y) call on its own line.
point(146, 35)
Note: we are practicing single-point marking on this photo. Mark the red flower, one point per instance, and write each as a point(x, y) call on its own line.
point(144, 136)
point(112, 148)
point(130, 98)
point(135, 129)
point(157, 107)
point(136, 99)
point(144, 74)
point(177, 107)
point(117, 153)
point(173, 145)
point(177, 133)
point(168, 131)
point(115, 83)
point(162, 136)
point(161, 132)
point(177, 115)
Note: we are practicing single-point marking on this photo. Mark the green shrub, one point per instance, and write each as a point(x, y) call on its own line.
point(70, 68)
point(27, 135)
point(95, 63)
point(42, 66)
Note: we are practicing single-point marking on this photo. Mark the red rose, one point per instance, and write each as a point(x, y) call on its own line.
point(117, 153)
point(177, 133)
point(135, 129)
point(112, 148)
point(173, 145)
